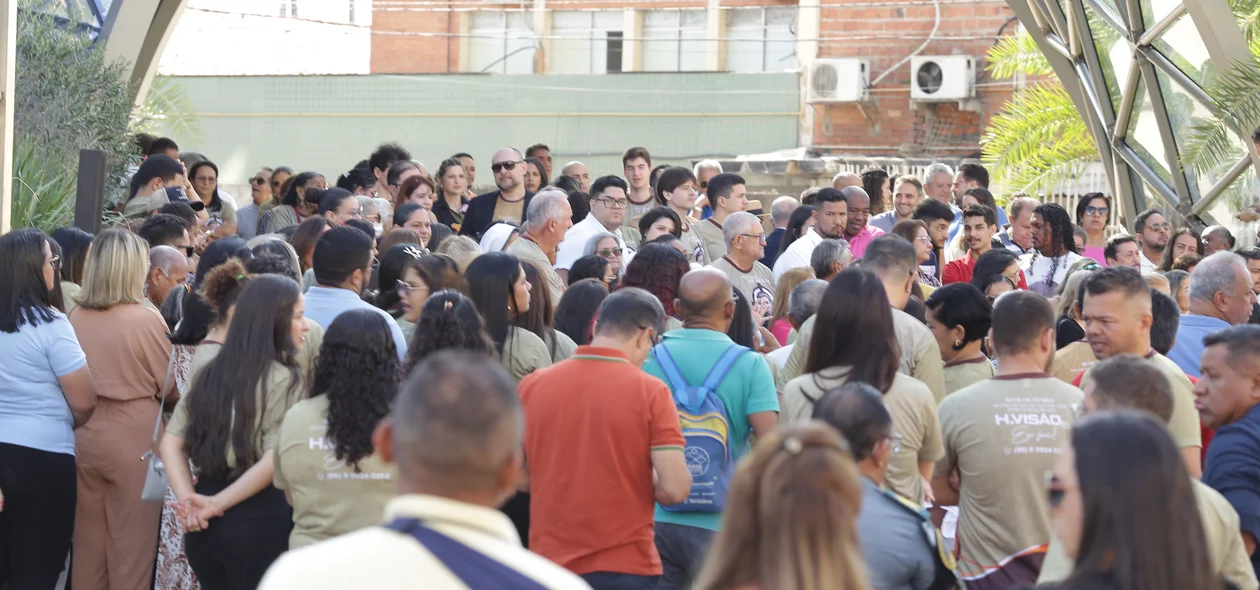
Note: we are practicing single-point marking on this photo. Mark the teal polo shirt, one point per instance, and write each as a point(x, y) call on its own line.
point(747, 389)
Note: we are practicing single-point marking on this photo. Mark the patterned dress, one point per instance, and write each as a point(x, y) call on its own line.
point(172, 570)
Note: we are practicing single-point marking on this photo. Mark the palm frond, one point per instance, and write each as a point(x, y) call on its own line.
point(1037, 141)
point(1017, 54)
point(167, 110)
point(1211, 143)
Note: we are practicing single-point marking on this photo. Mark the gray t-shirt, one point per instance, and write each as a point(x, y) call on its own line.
point(894, 542)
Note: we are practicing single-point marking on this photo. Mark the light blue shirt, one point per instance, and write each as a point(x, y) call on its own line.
point(1187, 351)
point(747, 389)
point(324, 304)
point(247, 221)
point(33, 409)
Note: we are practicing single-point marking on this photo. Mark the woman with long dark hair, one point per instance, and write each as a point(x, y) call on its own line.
point(575, 316)
point(801, 220)
point(387, 274)
point(75, 244)
point(1183, 241)
point(451, 202)
point(46, 392)
point(958, 315)
point(227, 426)
point(878, 187)
point(998, 261)
point(130, 358)
point(497, 284)
point(658, 269)
point(791, 517)
point(304, 238)
point(204, 176)
point(449, 320)
point(422, 277)
point(353, 387)
point(539, 318)
point(854, 340)
point(1101, 502)
point(293, 203)
point(535, 175)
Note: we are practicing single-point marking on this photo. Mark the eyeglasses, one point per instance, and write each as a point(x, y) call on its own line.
point(1097, 211)
point(404, 289)
point(656, 337)
point(614, 203)
point(927, 239)
point(501, 166)
point(1159, 226)
point(609, 252)
point(258, 180)
point(758, 237)
point(704, 184)
point(55, 261)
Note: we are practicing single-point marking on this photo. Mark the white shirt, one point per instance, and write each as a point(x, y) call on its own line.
point(797, 254)
point(575, 240)
point(376, 557)
point(780, 355)
point(1037, 267)
point(1147, 265)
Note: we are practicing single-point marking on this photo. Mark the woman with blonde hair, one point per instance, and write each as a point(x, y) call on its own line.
point(780, 324)
point(791, 517)
point(130, 359)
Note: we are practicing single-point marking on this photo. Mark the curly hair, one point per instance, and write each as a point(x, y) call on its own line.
point(222, 286)
point(358, 369)
point(657, 268)
point(448, 320)
point(1061, 238)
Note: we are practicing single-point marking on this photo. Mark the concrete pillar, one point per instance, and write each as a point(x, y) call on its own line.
point(632, 45)
point(715, 35)
point(136, 31)
point(808, 29)
point(542, 28)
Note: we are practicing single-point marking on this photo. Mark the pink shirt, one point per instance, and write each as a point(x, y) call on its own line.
point(857, 244)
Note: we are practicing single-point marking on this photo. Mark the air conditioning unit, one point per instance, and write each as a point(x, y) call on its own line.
point(942, 77)
point(839, 80)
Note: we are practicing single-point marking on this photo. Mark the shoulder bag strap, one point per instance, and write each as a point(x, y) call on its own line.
point(166, 383)
point(474, 568)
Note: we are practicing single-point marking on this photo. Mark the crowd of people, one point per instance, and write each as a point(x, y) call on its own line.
point(623, 381)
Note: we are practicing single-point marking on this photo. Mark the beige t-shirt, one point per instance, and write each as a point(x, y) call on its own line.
point(711, 239)
point(1072, 360)
point(756, 284)
point(913, 411)
point(920, 355)
point(1003, 435)
point(965, 373)
point(1220, 526)
point(330, 498)
point(281, 393)
point(636, 210)
point(523, 353)
point(512, 212)
point(306, 356)
point(565, 346)
point(528, 251)
point(691, 240)
point(1184, 425)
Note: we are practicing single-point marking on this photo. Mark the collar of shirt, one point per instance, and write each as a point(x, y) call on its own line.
point(600, 353)
point(1193, 320)
point(697, 334)
point(591, 226)
point(486, 521)
point(332, 294)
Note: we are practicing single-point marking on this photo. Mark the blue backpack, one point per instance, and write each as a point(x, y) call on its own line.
point(706, 428)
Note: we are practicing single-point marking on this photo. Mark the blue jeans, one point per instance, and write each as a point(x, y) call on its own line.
point(617, 581)
point(682, 550)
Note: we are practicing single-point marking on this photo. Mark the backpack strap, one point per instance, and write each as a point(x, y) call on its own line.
point(676, 380)
point(723, 367)
point(474, 568)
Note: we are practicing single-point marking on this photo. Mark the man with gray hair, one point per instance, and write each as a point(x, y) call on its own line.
point(1220, 297)
point(829, 258)
point(1217, 238)
point(704, 171)
point(780, 213)
point(802, 304)
point(455, 434)
point(579, 173)
point(938, 183)
point(547, 219)
point(1018, 236)
point(745, 244)
point(168, 269)
point(597, 428)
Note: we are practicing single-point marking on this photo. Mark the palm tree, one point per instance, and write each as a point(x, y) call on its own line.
point(1038, 140)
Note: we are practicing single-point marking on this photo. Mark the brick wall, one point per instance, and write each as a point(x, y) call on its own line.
point(885, 32)
point(415, 54)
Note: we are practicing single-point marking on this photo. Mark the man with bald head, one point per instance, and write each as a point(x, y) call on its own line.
point(856, 230)
point(455, 434)
point(507, 203)
point(168, 269)
point(579, 173)
point(845, 179)
point(707, 305)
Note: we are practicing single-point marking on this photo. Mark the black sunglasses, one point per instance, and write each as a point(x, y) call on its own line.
point(258, 180)
point(501, 166)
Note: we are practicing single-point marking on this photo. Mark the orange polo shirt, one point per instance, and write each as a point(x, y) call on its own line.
point(591, 424)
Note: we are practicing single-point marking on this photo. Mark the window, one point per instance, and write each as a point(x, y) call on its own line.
point(674, 41)
point(761, 39)
point(501, 43)
point(586, 42)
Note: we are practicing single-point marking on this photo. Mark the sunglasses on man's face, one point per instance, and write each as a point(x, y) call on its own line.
point(258, 180)
point(501, 166)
